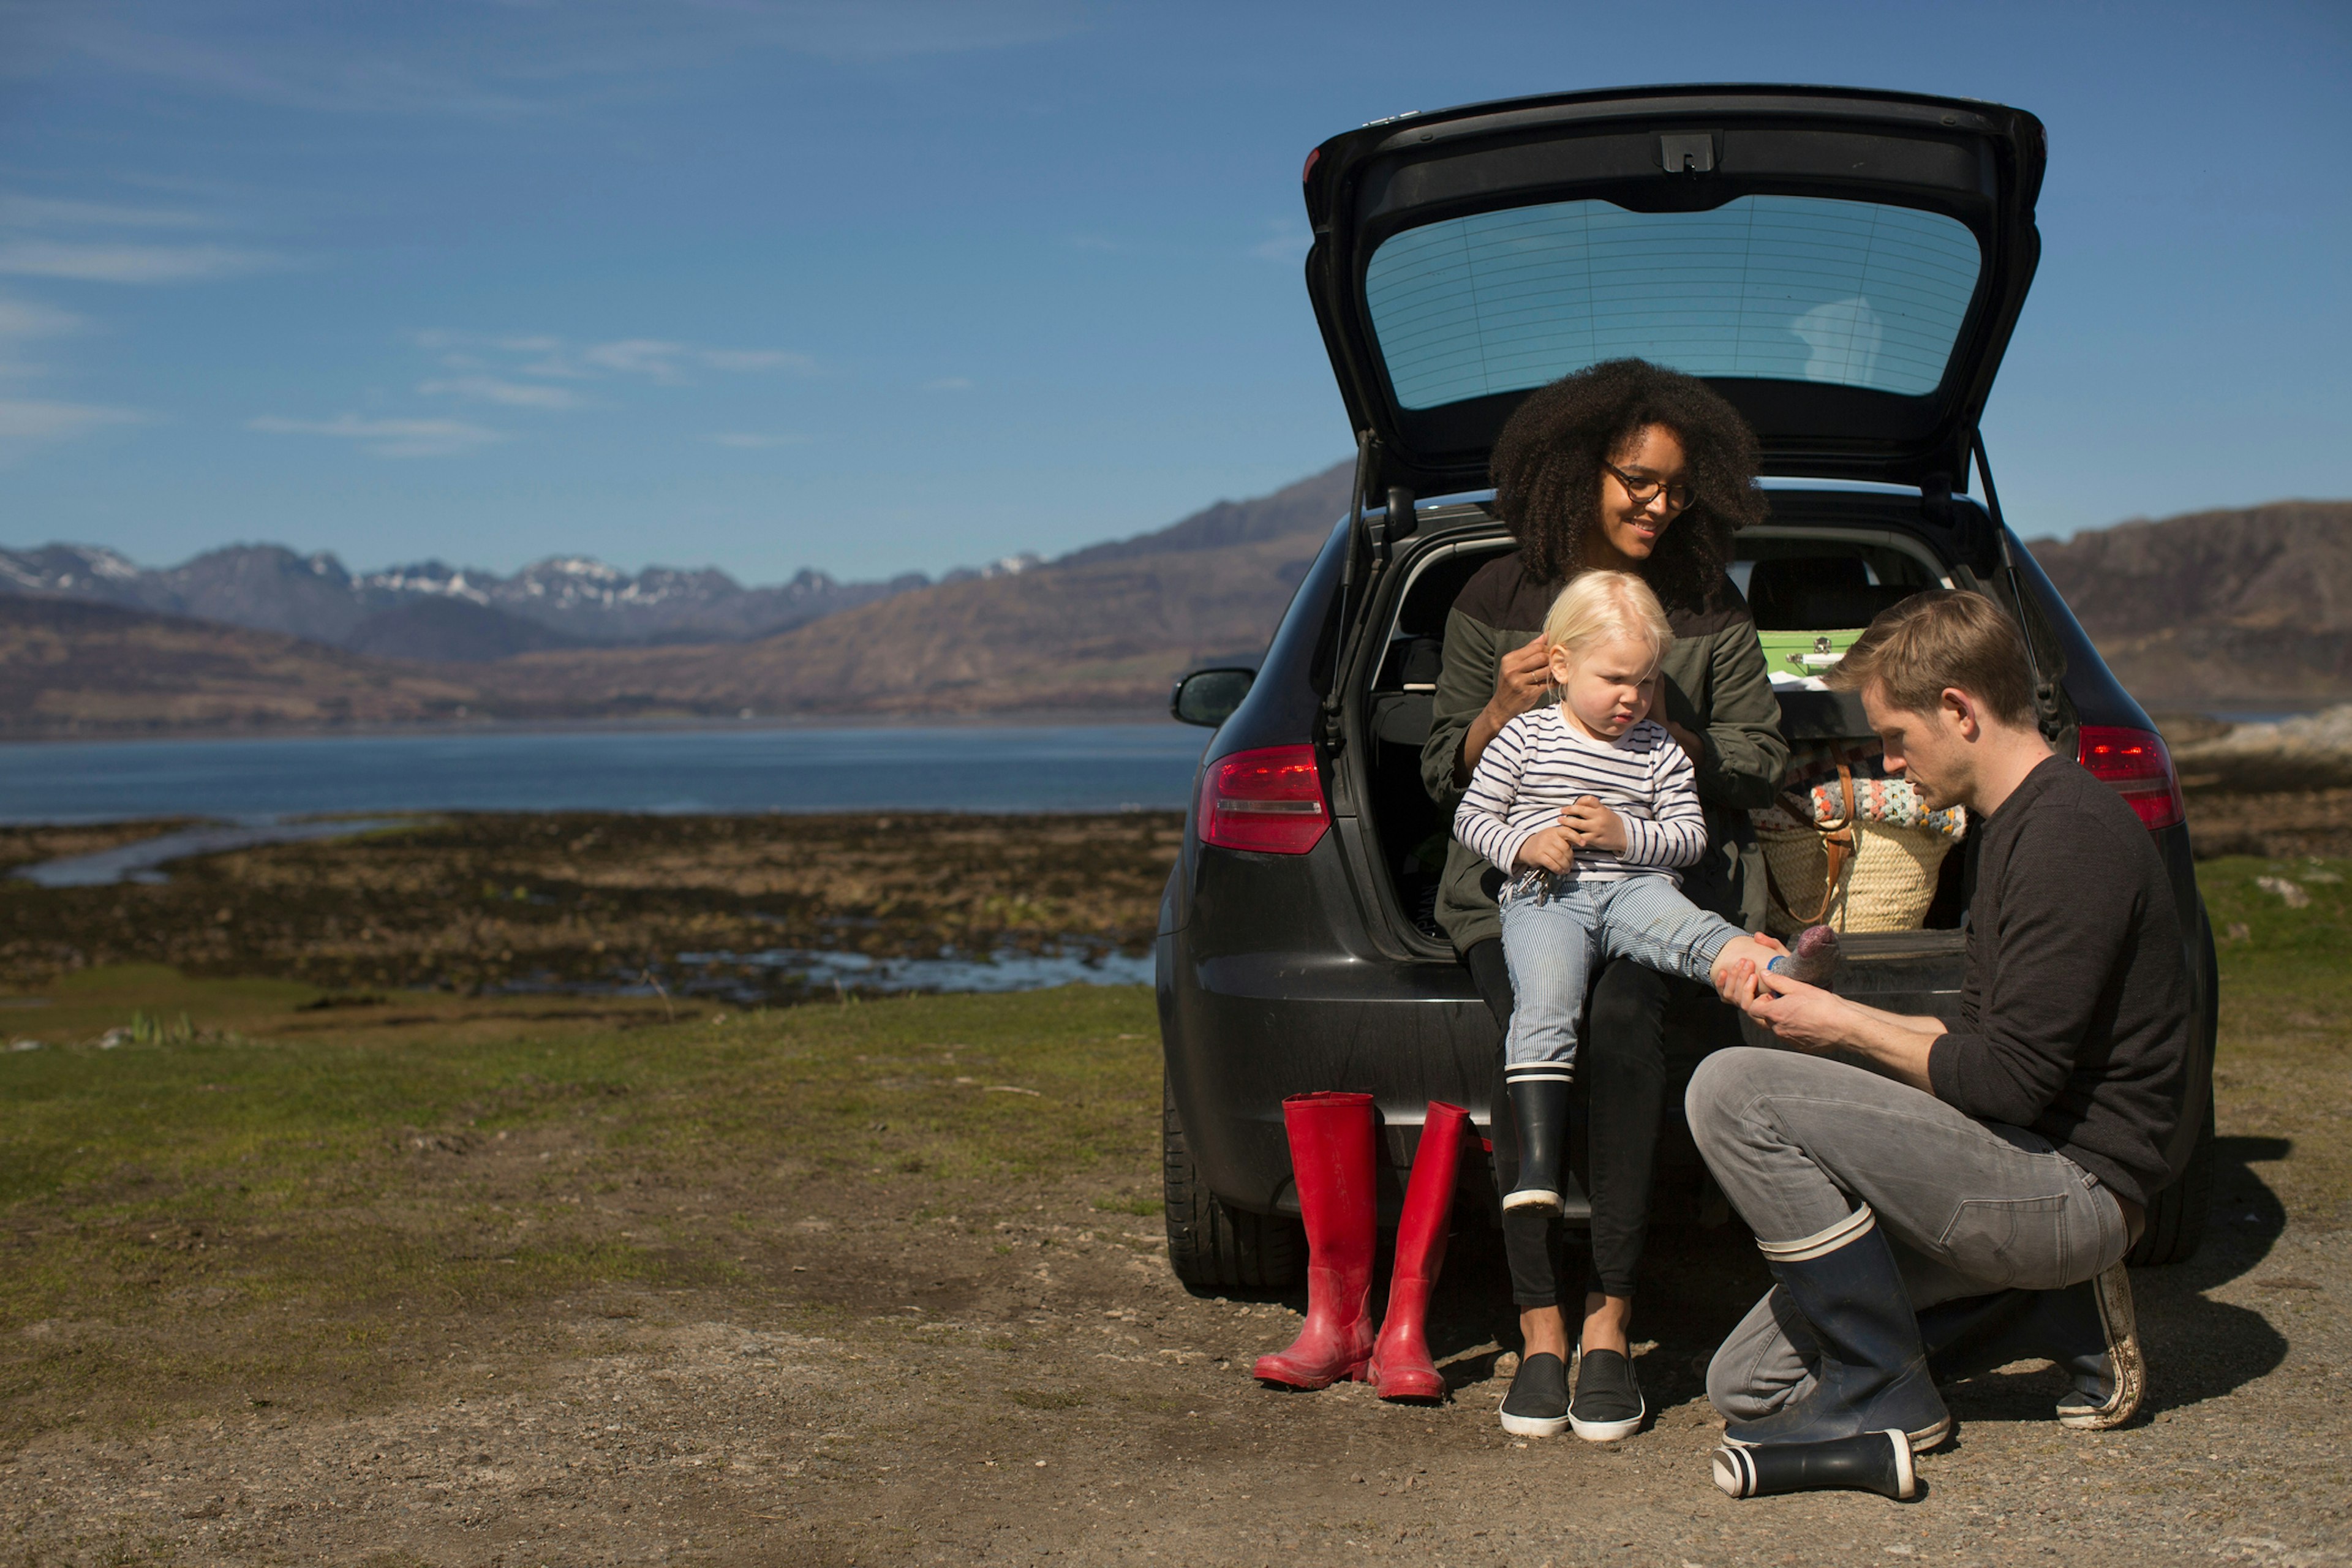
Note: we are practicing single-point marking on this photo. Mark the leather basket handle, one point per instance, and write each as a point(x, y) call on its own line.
point(1837, 844)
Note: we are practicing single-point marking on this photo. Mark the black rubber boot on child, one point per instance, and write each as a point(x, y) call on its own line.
point(1539, 1109)
point(1872, 1371)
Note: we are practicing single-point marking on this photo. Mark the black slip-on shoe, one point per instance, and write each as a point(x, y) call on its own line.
point(1536, 1406)
point(1608, 1404)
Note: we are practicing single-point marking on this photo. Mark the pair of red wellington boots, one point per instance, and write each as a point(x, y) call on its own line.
point(1332, 1156)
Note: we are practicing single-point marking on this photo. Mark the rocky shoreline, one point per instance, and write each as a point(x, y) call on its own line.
point(740, 908)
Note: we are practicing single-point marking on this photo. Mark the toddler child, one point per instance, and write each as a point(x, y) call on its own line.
point(1587, 808)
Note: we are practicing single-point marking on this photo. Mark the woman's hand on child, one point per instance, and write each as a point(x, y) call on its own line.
point(1693, 745)
point(1592, 826)
point(1521, 679)
point(1550, 850)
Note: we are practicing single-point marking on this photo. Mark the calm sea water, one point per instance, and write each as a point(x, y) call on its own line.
point(1109, 767)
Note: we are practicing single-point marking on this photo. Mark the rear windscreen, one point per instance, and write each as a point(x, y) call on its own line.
point(1780, 288)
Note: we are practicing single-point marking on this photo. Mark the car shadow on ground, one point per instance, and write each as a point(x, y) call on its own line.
point(1699, 1281)
point(2197, 1348)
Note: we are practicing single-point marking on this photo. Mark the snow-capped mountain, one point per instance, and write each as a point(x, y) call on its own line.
point(563, 600)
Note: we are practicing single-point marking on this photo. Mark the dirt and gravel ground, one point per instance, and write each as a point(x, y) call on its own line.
point(900, 1389)
point(479, 1282)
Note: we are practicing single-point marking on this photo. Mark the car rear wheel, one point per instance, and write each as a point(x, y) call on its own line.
point(2176, 1219)
point(1211, 1245)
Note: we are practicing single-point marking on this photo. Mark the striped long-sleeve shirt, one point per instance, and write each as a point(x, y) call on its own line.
point(1541, 761)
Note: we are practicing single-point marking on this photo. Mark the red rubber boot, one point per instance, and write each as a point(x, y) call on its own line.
point(1331, 1158)
point(1402, 1365)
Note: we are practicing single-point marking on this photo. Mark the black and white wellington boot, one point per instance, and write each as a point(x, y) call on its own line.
point(1608, 1404)
point(1539, 1111)
point(1871, 1371)
point(1536, 1406)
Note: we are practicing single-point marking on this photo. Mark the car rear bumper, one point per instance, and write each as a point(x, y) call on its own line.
point(1241, 1032)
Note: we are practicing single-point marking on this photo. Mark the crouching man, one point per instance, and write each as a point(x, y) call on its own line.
point(1967, 1199)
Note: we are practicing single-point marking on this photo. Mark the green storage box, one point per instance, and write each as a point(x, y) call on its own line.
point(1806, 652)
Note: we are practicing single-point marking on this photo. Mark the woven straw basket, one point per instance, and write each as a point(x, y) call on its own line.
point(1851, 873)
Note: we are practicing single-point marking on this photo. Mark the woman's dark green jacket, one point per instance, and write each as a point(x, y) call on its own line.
point(1715, 686)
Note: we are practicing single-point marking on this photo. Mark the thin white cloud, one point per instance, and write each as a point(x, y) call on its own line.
point(948, 383)
point(506, 393)
point(637, 356)
point(21, 319)
point(388, 437)
point(667, 361)
point(49, 212)
point(25, 419)
point(756, 441)
point(754, 359)
point(1286, 240)
point(506, 61)
point(87, 262)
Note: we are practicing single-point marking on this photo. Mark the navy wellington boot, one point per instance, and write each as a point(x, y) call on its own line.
point(1872, 1372)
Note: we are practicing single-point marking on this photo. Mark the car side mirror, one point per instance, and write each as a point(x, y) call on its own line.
point(1208, 696)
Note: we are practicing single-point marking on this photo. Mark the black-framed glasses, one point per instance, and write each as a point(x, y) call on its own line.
point(1642, 492)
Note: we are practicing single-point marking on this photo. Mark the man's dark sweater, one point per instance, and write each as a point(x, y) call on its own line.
point(2074, 1020)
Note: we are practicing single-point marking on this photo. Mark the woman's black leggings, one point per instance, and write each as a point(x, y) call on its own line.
point(1624, 1064)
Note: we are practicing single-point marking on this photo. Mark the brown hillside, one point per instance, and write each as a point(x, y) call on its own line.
point(68, 668)
point(2248, 608)
point(1100, 634)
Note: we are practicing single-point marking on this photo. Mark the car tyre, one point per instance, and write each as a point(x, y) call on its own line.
point(2176, 1219)
point(1212, 1245)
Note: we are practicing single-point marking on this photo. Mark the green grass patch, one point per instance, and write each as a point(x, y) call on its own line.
point(2282, 931)
point(295, 1206)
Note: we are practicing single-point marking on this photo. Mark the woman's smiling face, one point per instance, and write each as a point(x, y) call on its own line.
point(1630, 528)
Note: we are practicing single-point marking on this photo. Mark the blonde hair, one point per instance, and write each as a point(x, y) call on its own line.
point(1596, 606)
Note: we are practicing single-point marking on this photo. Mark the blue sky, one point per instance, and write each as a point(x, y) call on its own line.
point(873, 285)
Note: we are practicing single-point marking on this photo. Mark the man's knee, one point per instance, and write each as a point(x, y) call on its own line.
point(1723, 1088)
point(1760, 1365)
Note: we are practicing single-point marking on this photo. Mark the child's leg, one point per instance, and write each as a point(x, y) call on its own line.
point(1548, 946)
point(1647, 918)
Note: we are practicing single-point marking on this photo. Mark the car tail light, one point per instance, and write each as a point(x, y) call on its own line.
point(2136, 763)
point(1269, 800)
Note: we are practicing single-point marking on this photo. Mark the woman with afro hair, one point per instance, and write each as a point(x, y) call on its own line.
point(1623, 466)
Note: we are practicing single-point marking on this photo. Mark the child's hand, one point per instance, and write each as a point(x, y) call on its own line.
point(1594, 825)
point(1550, 850)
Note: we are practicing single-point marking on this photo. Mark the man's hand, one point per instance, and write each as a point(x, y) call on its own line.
point(1550, 850)
point(1806, 1017)
point(1815, 1020)
point(1593, 826)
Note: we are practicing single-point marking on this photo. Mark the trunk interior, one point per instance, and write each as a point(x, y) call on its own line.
point(1813, 584)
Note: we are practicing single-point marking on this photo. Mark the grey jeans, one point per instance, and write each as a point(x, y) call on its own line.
point(1971, 1206)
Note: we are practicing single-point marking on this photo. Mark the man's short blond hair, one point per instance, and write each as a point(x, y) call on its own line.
point(1933, 642)
point(1597, 605)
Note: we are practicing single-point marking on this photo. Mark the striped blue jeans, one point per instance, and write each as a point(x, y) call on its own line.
point(1556, 932)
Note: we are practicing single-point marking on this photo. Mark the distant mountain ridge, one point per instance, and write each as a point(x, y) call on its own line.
point(1312, 504)
point(1099, 630)
point(2222, 610)
point(558, 601)
point(2249, 609)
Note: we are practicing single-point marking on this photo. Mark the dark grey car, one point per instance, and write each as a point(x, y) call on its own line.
point(1846, 268)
